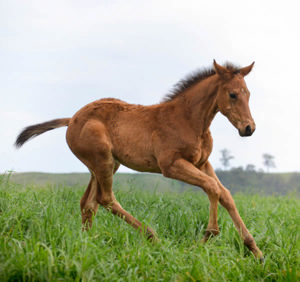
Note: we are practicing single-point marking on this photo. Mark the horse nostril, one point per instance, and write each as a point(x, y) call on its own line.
point(248, 130)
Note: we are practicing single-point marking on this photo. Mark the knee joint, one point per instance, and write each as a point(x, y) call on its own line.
point(213, 189)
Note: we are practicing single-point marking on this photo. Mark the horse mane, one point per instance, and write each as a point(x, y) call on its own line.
point(195, 77)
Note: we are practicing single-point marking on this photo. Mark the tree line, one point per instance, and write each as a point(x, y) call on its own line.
point(226, 157)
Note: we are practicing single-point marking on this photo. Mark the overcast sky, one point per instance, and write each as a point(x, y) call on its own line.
point(57, 56)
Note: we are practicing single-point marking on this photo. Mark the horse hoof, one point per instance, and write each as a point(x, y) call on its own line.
point(152, 238)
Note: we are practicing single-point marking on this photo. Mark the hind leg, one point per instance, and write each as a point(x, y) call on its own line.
point(107, 199)
point(94, 149)
point(88, 203)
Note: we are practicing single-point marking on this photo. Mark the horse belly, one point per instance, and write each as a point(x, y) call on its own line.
point(137, 159)
point(133, 148)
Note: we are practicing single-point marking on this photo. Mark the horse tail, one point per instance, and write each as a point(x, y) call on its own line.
point(37, 129)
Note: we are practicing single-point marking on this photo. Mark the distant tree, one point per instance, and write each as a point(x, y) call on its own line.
point(225, 158)
point(237, 169)
point(268, 161)
point(250, 168)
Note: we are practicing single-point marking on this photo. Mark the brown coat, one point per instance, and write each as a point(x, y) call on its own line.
point(172, 138)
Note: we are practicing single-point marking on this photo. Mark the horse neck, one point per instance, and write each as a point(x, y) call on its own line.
point(199, 104)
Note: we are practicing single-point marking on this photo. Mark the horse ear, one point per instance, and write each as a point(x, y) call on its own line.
point(219, 69)
point(244, 71)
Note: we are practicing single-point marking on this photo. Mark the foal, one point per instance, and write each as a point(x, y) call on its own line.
point(172, 138)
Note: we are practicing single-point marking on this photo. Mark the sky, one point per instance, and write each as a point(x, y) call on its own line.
point(57, 56)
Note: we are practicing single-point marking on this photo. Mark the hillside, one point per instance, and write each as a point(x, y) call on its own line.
point(236, 180)
point(125, 181)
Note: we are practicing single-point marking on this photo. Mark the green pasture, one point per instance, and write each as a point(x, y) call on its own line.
point(41, 237)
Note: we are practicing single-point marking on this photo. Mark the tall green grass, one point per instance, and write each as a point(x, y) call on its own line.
point(41, 238)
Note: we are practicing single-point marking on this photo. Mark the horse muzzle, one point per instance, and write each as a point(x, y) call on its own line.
point(247, 130)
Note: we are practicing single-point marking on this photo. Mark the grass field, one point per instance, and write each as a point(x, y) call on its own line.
point(41, 238)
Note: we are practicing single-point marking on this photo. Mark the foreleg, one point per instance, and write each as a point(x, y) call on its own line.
point(227, 202)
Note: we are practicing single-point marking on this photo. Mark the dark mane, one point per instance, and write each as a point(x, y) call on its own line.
point(195, 77)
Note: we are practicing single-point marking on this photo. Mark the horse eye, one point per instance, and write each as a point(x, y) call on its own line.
point(232, 95)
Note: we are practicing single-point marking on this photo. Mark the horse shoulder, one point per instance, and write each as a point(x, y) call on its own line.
point(206, 145)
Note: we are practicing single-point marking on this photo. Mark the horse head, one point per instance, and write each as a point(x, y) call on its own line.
point(233, 97)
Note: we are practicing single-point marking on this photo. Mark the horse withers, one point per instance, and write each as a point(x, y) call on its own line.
point(172, 138)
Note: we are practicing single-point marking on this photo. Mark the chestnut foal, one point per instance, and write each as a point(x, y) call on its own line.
point(172, 138)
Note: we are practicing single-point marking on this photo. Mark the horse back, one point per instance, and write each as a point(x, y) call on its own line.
point(130, 129)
